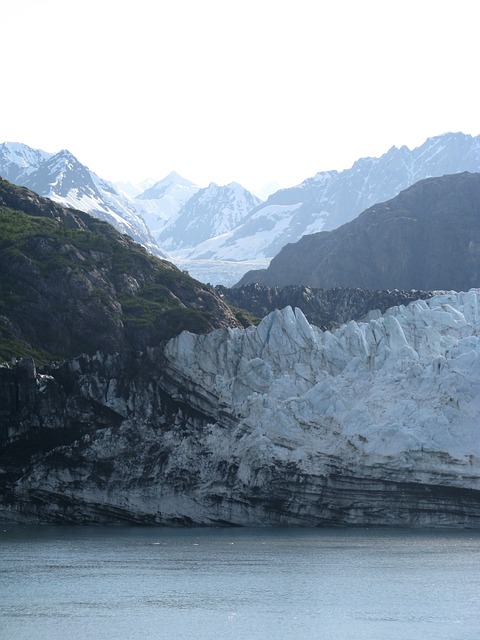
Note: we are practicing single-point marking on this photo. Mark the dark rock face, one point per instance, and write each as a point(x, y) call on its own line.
point(426, 238)
point(325, 308)
point(126, 439)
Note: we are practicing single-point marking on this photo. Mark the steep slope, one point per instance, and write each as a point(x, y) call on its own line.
point(426, 238)
point(212, 211)
point(332, 198)
point(71, 284)
point(372, 424)
point(61, 177)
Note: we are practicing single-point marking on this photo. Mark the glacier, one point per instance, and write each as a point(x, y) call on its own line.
point(376, 423)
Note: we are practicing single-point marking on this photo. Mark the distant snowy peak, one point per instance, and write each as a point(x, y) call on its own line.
point(62, 176)
point(17, 160)
point(331, 198)
point(134, 189)
point(211, 212)
point(163, 200)
point(374, 180)
point(172, 182)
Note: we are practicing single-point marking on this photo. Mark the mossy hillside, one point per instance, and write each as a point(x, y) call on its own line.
point(72, 284)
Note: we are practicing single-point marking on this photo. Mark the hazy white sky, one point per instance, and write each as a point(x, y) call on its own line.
point(253, 91)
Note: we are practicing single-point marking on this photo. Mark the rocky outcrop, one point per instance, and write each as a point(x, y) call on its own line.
point(325, 308)
point(426, 238)
point(371, 424)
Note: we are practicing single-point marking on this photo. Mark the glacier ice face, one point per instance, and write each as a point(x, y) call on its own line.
point(401, 390)
point(375, 423)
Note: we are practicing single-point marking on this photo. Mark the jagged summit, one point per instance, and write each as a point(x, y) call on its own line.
point(163, 200)
point(18, 160)
point(210, 212)
point(60, 174)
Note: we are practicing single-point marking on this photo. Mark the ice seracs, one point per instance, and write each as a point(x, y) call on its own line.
point(400, 390)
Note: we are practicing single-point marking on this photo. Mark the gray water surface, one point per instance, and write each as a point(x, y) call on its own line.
point(250, 584)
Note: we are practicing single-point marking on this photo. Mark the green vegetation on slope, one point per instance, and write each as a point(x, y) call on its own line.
point(70, 284)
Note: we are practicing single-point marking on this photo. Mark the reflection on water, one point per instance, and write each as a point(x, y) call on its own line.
point(119, 583)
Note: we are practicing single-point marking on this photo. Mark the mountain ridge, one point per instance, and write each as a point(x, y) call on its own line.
point(221, 253)
point(331, 198)
point(426, 238)
point(324, 308)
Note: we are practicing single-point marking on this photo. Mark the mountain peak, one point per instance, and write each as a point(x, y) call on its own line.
point(65, 153)
point(172, 183)
point(18, 160)
point(173, 178)
point(64, 179)
point(211, 212)
point(66, 157)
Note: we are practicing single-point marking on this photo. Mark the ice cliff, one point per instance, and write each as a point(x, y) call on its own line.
point(375, 423)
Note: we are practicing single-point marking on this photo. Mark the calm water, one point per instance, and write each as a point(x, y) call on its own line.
point(248, 584)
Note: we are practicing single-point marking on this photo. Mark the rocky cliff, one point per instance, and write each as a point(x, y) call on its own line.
point(371, 424)
point(325, 308)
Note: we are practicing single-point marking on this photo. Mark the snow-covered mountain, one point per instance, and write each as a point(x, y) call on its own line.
point(219, 233)
point(331, 198)
point(18, 161)
point(163, 200)
point(211, 212)
point(374, 423)
point(62, 178)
